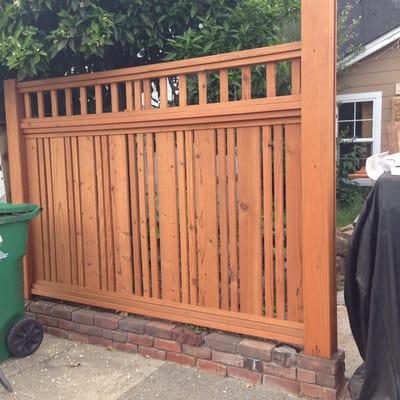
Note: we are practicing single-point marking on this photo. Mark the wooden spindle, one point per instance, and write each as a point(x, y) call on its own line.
point(27, 104)
point(68, 102)
point(40, 100)
point(202, 87)
point(83, 100)
point(129, 95)
point(271, 79)
point(147, 94)
point(296, 77)
point(98, 93)
point(138, 95)
point(114, 98)
point(223, 86)
point(246, 83)
point(163, 93)
point(54, 103)
point(182, 91)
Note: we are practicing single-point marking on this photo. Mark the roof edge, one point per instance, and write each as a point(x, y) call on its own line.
point(371, 48)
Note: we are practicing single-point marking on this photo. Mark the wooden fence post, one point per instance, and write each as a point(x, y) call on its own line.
point(14, 109)
point(318, 175)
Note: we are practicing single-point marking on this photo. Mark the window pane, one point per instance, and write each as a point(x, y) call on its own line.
point(346, 111)
point(364, 110)
point(364, 129)
point(347, 150)
point(355, 153)
point(364, 150)
point(346, 130)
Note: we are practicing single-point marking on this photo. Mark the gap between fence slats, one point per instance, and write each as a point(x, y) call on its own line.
point(279, 222)
point(135, 220)
point(223, 218)
point(269, 278)
point(144, 233)
point(232, 215)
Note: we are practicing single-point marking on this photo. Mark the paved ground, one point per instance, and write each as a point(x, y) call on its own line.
point(63, 370)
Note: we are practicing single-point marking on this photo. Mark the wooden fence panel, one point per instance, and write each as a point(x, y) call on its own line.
point(190, 212)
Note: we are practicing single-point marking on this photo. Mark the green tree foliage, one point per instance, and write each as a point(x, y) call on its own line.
point(56, 37)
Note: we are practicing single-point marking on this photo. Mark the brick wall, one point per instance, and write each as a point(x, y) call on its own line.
point(277, 367)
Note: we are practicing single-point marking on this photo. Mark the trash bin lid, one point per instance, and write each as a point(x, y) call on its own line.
point(11, 213)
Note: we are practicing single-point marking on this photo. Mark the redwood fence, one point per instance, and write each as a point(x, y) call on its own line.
point(170, 191)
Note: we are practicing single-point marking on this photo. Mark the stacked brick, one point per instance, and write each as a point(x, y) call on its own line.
point(277, 367)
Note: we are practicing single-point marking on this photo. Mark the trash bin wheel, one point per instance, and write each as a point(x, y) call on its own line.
point(24, 338)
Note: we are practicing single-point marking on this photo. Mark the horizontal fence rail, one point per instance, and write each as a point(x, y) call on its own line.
point(172, 190)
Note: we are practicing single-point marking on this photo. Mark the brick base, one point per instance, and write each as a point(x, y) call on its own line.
point(277, 367)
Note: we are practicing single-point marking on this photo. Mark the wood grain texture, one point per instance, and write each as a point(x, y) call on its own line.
point(269, 276)
point(206, 217)
point(249, 205)
point(294, 264)
point(318, 146)
point(279, 222)
point(168, 215)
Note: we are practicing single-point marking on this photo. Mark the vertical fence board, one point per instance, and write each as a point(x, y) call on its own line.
point(279, 222)
point(183, 234)
point(249, 200)
point(293, 223)
point(50, 209)
point(144, 233)
point(202, 87)
point(153, 225)
point(78, 208)
point(54, 103)
point(246, 83)
point(182, 91)
point(121, 213)
point(87, 174)
point(168, 215)
point(71, 212)
point(83, 100)
point(61, 218)
point(135, 221)
point(233, 229)
point(223, 86)
point(101, 213)
point(163, 92)
point(114, 98)
point(223, 218)
point(147, 94)
point(271, 79)
point(138, 95)
point(191, 205)
point(108, 215)
point(98, 93)
point(207, 230)
point(268, 223)
point(27, 105)
point(68, 102)
point(45, 214)
point(34, 197)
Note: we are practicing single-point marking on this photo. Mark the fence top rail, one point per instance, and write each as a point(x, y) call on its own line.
point(276, 53)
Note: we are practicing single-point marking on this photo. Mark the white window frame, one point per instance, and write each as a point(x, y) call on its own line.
point(376, 98)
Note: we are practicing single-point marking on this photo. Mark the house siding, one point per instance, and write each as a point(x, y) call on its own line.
point(378, 73)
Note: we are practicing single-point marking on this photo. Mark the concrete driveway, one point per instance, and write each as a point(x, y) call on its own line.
point(64, 370)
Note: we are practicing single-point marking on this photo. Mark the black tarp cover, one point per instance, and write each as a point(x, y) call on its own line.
point(372, 293)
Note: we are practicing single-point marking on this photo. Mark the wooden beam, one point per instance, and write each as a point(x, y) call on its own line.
point(318, 175)
point(16, 155)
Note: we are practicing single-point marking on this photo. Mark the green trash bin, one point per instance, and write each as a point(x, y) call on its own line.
point(19, 337)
